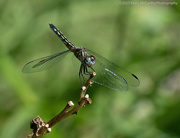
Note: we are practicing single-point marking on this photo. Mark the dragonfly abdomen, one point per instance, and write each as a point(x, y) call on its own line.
point(68, 44)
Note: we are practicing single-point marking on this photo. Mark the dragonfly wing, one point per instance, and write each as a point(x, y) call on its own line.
point(111, 75)
point(43, 63)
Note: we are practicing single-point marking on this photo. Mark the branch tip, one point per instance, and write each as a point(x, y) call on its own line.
point(94, 74)
point(47, 125)
point(91, 82)
point(48, 130)
point(70, 103)
point(83, 88)
point(87, 96)
point(89, 101)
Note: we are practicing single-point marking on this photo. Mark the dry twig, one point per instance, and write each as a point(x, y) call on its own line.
point(40, 127)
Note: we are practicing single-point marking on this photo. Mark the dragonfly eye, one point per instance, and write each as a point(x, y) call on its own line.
point(90, 60)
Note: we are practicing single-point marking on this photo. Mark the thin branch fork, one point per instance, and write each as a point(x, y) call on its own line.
point(40, 127)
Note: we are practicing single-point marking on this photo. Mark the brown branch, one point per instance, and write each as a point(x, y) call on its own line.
point(40, 127)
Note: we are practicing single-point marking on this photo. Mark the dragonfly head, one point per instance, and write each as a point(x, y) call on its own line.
point(90, 60)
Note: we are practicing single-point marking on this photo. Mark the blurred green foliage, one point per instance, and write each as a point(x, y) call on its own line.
point(141, 38)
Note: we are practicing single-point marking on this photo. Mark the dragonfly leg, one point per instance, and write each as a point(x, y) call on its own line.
point(87, 72)
point(92, 69)
point(84, 73)
point(81, 76)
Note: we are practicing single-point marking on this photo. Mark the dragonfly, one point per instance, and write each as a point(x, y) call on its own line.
point(108, 74)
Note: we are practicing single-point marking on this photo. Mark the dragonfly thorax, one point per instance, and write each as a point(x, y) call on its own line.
point(80, 53)
point(84, 57)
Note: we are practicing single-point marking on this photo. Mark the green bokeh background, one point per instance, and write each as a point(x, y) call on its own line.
point(144, 39)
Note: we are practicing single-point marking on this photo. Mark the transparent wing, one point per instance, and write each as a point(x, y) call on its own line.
point(43, 63)
point(111, 75)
